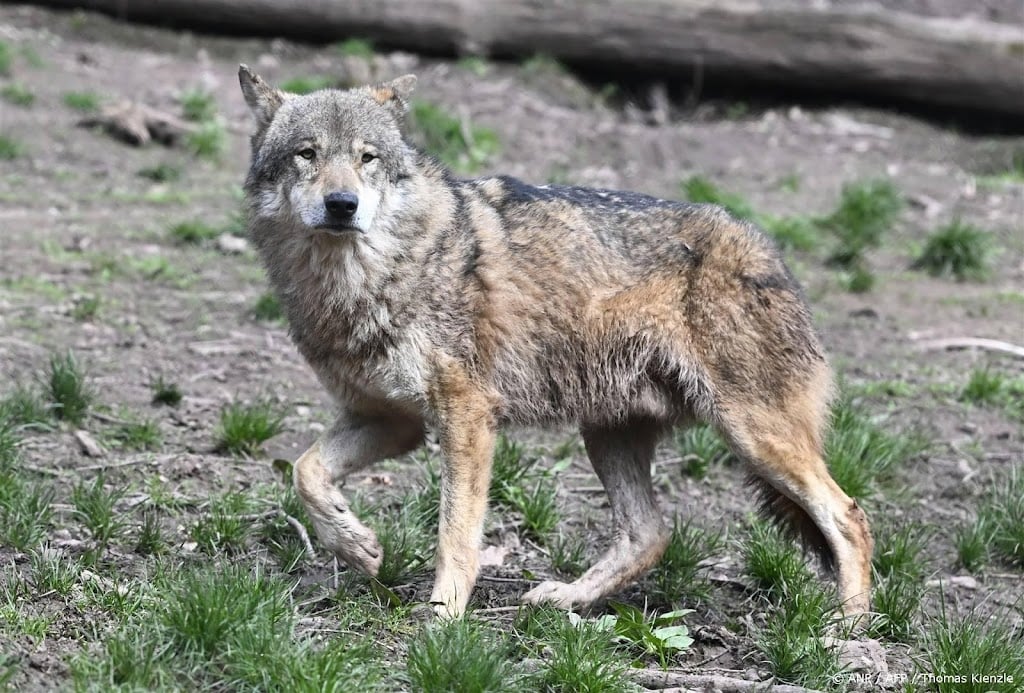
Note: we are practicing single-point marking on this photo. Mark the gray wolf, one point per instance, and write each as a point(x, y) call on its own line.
point(424, 301)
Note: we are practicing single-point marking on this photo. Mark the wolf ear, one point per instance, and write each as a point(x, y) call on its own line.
point(395, 94)
point(263, 99)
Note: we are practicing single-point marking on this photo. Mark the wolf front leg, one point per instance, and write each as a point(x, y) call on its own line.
point(467, 430)
point(351, 444)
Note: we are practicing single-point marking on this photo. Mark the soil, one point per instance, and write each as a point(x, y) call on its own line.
point(78, 221)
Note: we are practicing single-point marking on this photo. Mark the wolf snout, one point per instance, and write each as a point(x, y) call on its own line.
point(341, 206)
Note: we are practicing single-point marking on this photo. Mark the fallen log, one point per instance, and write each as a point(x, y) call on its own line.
point(962, 63)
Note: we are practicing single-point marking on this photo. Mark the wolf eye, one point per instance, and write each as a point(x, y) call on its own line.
point(307, 154)
point(368, 157)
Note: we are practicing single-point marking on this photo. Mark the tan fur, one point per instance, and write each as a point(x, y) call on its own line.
point(467, 305)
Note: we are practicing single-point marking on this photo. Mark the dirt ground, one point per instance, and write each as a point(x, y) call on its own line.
point(76, 221)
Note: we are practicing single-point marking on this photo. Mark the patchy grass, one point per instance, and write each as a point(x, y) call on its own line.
point(987, 387)
point(135, 435)
point(998, 530)
point(957, 249)
point(198, 105)
point(268, 308)
point(677, 577)
point(700, 189)
point(407, 540)
point(866, 210)
point(538, 507)
point(460, 655)
point(569, 554)
point(226, 526)
point(462, 147)
point(900, 568)
point(70, 395)
point(774, 561)
point(700, 448)
point(573, 654)
point(792, 641)
point(165, 392)
point(956, 651)
point(95, 507)
point(6, 58)
point(861, 456)
point(10, 148)
point(308, 84)
point(356, 48)
point(17, 94)
point(24, 407)
point(209, 140)
point(244, 428)
point(161, 173)
point(84, 101)
point(193, 232)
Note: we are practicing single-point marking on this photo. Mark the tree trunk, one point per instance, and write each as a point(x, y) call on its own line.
point(969, 64)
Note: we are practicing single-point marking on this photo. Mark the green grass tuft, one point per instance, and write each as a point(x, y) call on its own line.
point(209, 140)
point(309, 84)
point(574, 655)
point(998, 530)
point(268, 308)
point(244, 428)
point(193, 232)
point(866, 210)
point(407, 541)
point(676, 577)
point(6, 58)
point(135, 435)
point(700, 448)
point(957, 651)
point(161, 173)
point(10, 149)
point(198, 105)
point(84, 101)
point(356, 48)
point(899, 566)
point(24, 408)
point(984, 386)
point(774, 561)
point(459, 655)
point(69, 393)
point(700, 189)
point(95, 507)
point(165, 392)
point(17, 94)
point(224, 528)
point(958, 249)
point(460, 146)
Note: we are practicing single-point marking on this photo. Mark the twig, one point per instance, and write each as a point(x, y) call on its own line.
point(300, 529)
point(972, 342)
point(495, 578)
point(113, 465)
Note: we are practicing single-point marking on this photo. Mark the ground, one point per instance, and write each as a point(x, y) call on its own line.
point(89, 264)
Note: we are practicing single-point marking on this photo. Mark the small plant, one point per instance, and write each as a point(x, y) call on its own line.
point(460, 146)
point(268, 308)
point(858, 279)
point(198, 105)
point(538, 507)
point(18, 94)
point(244, 428)
point(899, 568)
point(793, 640)
point(70, 395)
point(307, 85)
point(208, 140)
point(6, 58)
point(510, 470)
point(773, 560)
point(25, 512)
point(700, 189)
point(861, 455)
point(224, 528)
point(569, 554)
point(474, 64)
point(161, 173)
point(459, 655)
point(972, 544)
point(165, 392)
point(699, 448)
point(136, 435)
point(407, 543)
point(958, 249)
point(676, 575)
point(193, 232)
point(95, 507)
point(983, 387)
point(9, 148)
point(84, 101)
point(24, 408)
point(151, 541)
point(54, 571)
point(998, 530)
point(798, 233)
point(85, 308)
point(976, 644)
point(356, 48)
point(865, 211)
point(574, 654)
point(655, 634)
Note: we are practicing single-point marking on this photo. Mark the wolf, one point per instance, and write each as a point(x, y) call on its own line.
point(426, 302)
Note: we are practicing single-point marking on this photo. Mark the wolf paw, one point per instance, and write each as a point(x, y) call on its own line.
point(560, 594)
point(353, 543)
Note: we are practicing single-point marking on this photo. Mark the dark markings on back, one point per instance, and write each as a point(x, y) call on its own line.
point(518, 192)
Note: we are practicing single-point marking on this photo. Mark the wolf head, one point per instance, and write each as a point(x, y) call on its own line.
point(326, 162)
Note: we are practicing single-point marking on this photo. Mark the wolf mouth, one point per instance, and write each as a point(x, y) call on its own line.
point(338, 229)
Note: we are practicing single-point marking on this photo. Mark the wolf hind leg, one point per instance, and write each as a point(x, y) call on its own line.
point(621, 456)
point(351, 444)
point(783, 445)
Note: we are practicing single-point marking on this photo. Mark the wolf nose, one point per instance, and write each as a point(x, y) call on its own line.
point(341, 205)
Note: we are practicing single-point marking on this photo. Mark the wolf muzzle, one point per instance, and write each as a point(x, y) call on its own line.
point(341, 207)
